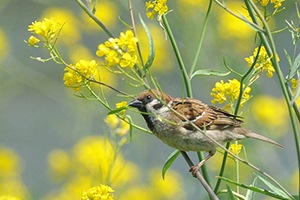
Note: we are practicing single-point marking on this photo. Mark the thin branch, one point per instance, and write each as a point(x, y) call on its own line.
point(200, 177)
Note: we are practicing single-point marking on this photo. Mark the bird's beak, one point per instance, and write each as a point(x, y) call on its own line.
point(136, 103)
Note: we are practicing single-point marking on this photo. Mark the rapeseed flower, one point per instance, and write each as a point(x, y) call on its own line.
point(263, 63)
point(102, 192)
point(235, 149)
point(120, 50)
point(229, 93)
point(157, 6)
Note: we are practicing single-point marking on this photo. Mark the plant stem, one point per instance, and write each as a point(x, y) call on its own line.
point(201, 38)
point(178, 57)
point(268, 42)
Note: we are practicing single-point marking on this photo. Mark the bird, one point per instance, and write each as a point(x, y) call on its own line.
point(182, 122)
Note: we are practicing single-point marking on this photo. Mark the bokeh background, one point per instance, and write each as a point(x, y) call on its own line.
point(49, 138)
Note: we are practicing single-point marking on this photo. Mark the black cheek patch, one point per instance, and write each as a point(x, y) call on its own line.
point(158, 106)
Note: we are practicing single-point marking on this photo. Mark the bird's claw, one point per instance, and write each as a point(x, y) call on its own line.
point(194, 170)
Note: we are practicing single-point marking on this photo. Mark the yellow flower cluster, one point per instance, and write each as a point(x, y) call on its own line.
point(277, 3)
point(229, 93)
point(158, 6)
point(102, 192)
point(294, 83)
point(263, 62)
point(48, 29)
point(73, 79)
point(120, 50)
point(113, 121)
point(235, 149)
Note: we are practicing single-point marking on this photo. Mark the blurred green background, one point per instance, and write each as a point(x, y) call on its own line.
point(40, 115)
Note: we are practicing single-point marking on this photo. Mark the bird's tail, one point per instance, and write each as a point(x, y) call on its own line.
point(257, 136)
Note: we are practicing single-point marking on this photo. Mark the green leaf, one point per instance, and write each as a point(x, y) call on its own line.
point(255, 189)
point(295, 66)
point(288, 58)
point(130, 126)
point(151, 45)
point(229, 192)
point(169, 162)
point(210, 72)
point(273, 187)
point(117, 110)
point(250, 194)
point(250, 25)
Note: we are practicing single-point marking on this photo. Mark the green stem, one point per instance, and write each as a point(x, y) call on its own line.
point(201, 38)
point(222, 168)
point(91, 15)
point(184, 74)
point(268, 42)
point(178, 57)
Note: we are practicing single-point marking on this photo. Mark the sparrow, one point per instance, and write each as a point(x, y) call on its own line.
point(164, 117)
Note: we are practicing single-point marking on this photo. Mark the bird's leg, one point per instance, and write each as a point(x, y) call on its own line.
point(195, 169)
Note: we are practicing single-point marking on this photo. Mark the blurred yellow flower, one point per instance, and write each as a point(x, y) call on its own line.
point(235, 149)
point(271, 113)
point(112, 121)
point(106, 12)
point(59, 163)
point(71, 33)
point(9, 163)
point(8, 197)
point(4, 45)
point(124, 128)
point(120, 50)
point(229, 93)
point(263, 62)
point(80, 52)
point(233, 29)
point(87, 68)
point(102, 192)
point(163, 61)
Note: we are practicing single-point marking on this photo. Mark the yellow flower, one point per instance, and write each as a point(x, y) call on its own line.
point(235, 149)
point(102, 192)
point(120, 50)
point(119, 105)
point(48, 28)
point(277, 3)
point(87, 68)
point(112, 121)
point(157, 6)
point(33, 40)
point(263, 62)
point(294, 83)
point(229, 92)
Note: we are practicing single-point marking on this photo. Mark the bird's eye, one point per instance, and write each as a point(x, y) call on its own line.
point(148, 97)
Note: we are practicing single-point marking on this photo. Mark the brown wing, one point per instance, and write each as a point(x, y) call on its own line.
point(203, 115)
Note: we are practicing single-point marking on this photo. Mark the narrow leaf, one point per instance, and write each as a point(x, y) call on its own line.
point(255, 189)
point(250, 25)
point(273, 187)
point(151, 55)
point(288, 57)
point(169, 162)
point(210, 72)
point(117, 110)
point(250, 194)
point(295, 66)
point(229, 192)
point(130, 126)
